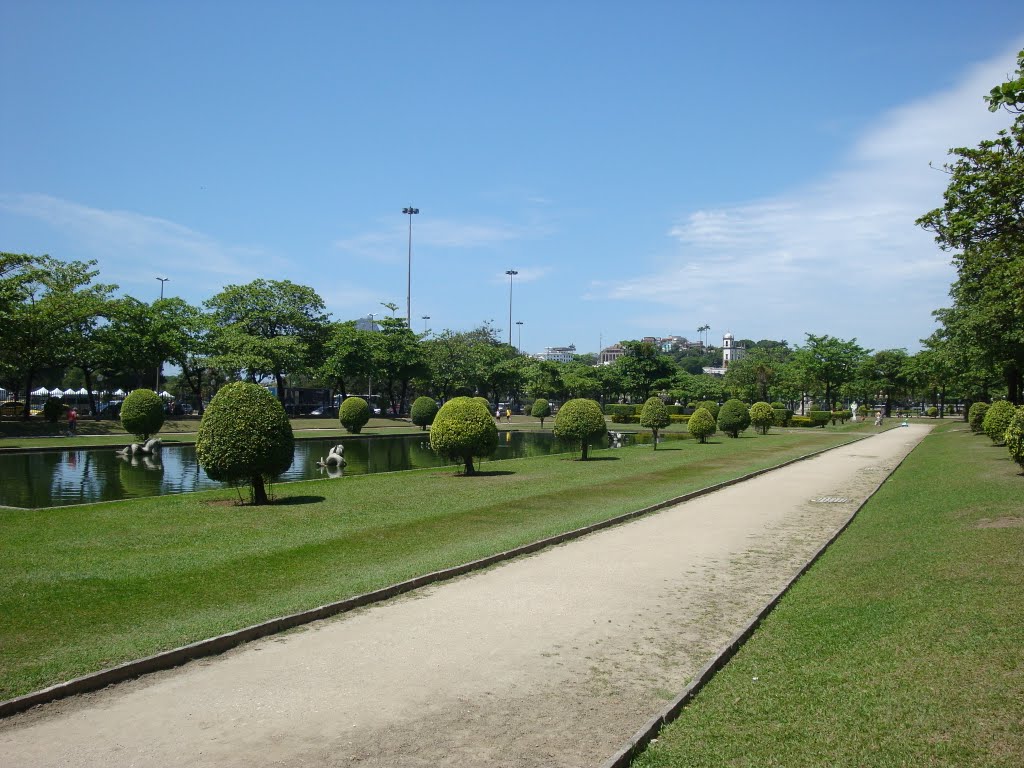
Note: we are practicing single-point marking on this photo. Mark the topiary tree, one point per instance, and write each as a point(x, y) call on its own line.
point(654, 416)
point(580, 419)
point(762, 416)
point(142, 413)
point(462, 429)
point(733, 418)
point(53, 409)
point(541, 410)
point(245, 438)
point(711, 406)
point(701, 425)
point(932, 412)
point(485, 403)
point(1015, 437)
point(997, 419)
point(424, 409)
point(353, 414)
point(976, 416)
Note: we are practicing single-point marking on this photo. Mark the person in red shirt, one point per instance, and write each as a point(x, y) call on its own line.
point(73, 421)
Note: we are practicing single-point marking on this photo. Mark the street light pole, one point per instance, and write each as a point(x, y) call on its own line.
point(425, 318)
point(160, 364)
point(369, 376)
point(410, 212)
point(520, 324)
point(511, 273)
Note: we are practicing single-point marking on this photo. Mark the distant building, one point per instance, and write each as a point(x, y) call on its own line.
point(557, 354)
point(367, 324)
point(610, 354)
point(730, 354)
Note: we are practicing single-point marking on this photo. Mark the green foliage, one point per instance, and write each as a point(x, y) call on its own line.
point(462, 429)
point(541, 409)
point(997, 419)
point(142, 413)
point(679, 418)
point(654, 416)
point(776, 404)
point(840, 416)
point(53, 409)
point(580, 420)
point(424, 409)
point(782, 416)
point(733, 418)
point(485, 403)
point(803, 421)
point(976, 416)
point(710, 406)
point(353, 414)
point(1015, 437)
point(932, 412)
point(701, 424)
point(762, 416)
point(245, 438)
point(818, 418)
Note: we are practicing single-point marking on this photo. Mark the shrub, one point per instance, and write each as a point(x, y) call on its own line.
point(679, 418)
point(424, 409)
point(654, 416)
point(53, 409)
point(710, 406)
point(580, 419)
point(801, 421)
point(142, 413)
point(620, 409)
point(541, 410)
point(932, 412)
point(819, 418)
point(462, 429)
point(776, 404)
point(762, 416)
point(976, 416)
point(733, 418)
point(486, 404)
point(840, 416)
point(245, 438)
point(1015, 437)
point(353, 414)
point(997, 419)
point(674, 410)
point(782, 416)
point(701, 424)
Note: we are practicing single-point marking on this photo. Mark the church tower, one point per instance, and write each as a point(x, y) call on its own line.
point(727, 349)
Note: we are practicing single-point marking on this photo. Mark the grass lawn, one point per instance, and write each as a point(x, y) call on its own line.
point(900, 647)
point(83, 588)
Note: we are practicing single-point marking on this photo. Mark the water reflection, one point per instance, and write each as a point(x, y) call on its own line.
point(77, 476)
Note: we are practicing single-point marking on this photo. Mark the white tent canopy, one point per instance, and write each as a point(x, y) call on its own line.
point(40, 392)
point(70, 391)
point(82, 391)
point(165, 393)
point(119, 392)
point(56, 392)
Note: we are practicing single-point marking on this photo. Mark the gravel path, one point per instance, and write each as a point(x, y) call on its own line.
point(555, 659)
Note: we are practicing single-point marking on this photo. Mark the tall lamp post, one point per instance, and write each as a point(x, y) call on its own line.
point(369, 376)
point(160, 364)
point(424, 319)
point(511, 273)
point(520, 324)
point(410, 212)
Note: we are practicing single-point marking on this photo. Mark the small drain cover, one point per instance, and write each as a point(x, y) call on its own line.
point(832, 500)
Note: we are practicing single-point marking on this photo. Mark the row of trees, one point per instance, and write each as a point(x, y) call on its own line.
point(62, 326)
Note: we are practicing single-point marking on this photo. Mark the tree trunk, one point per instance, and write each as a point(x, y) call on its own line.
point(584, 447)
point(469, 464)
point(279, 377)
point(655, 433)
point(259, 491)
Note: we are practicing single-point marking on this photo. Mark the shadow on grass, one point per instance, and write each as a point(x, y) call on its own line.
point(485, 473)
point(602, 458)
point(294, 500)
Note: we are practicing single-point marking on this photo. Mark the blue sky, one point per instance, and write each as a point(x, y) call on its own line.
point(646, 167)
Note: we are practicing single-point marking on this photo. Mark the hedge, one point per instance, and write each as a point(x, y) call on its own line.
point(819, 418)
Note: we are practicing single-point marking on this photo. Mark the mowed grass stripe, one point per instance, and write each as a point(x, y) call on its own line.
point(900, 647)
point(84, 588)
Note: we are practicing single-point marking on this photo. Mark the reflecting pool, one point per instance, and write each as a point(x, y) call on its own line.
point(53, 478)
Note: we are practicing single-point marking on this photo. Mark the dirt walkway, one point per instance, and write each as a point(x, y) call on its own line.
point(551, 660)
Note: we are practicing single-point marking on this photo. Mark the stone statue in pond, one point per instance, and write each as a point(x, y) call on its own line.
point(147, 448)
point(335, 458)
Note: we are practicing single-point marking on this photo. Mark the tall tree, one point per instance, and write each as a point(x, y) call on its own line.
point(643, 368)
point(347, 356)
point(397, 357)
point(829, 363)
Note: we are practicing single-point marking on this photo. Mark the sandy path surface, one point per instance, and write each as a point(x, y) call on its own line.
point(555, 659)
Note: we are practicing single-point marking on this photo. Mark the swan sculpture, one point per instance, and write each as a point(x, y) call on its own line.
point(149, 447)
point(335, 457)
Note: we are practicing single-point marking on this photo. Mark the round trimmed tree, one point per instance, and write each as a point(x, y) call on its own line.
point(580, 419)
point(711, 406)
point(245, 438)
point(353, 414)
point(424, 409)
point(485, 403)
point(733, 418)
point(976, 416)
point(997, 419)
point(462, 429)
point(142, 413)
point(53, 409)
point(701, 425)
point(654, 416)
point(541, 410)
point(762, 416)
point(1015, 437)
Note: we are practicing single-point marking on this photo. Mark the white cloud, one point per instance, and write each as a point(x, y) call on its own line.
point(822, 246)
point(390, 242)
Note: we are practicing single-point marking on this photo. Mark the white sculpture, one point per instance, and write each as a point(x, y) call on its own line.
point(335, 457)
point(149, 447)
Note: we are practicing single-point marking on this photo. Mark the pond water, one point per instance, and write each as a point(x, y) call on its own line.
point(53, 478)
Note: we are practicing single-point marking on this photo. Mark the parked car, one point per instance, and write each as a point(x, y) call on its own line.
point(16, 408)
point(109, 410)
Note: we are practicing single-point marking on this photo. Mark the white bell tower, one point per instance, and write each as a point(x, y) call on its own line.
point(727, 349)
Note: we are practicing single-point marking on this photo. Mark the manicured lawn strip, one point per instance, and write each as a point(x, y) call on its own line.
point(83, 588)
point(901, 646)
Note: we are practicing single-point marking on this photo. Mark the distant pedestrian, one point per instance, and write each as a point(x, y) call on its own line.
point(497, 414)
point(878, 418)
point(508, 415)
point(73, 421)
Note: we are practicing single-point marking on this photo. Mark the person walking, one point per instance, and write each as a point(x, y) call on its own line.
point(73, 421)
